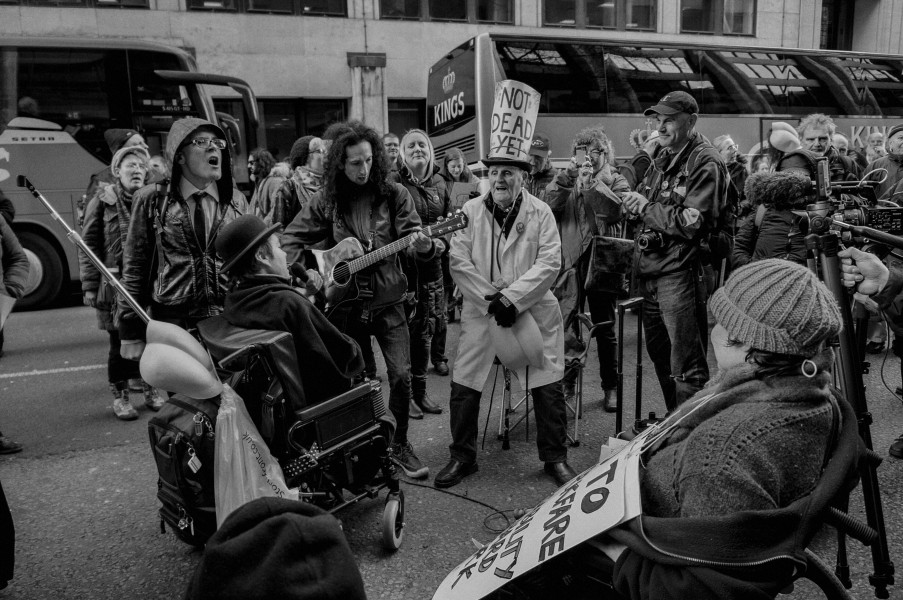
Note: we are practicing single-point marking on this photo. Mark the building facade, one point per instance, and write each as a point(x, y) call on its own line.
point(312, 62)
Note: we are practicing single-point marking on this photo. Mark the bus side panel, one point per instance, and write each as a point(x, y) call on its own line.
point(451, 103)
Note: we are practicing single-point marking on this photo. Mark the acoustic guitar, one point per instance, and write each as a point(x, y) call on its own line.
point(339, 265)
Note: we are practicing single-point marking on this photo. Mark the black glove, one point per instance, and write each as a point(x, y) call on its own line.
point(501, 307)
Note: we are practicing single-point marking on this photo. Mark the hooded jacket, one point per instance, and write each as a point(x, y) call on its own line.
point(778, 235)
point(162, 260)
point(756, 433)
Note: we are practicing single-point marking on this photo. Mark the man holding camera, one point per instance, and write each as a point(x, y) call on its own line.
point(676, 207)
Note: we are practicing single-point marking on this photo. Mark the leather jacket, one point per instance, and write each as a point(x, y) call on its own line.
point(682, 207)
point(431, 201)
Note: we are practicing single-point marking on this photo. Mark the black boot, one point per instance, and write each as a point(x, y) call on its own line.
point(421, 399)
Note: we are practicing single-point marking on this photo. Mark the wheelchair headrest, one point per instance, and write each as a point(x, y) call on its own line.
point(228, 344)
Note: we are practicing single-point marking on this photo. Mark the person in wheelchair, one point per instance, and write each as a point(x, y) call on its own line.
point(732, 489)
point(262, 297)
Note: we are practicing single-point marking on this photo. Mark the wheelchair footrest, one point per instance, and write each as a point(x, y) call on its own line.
point(300, 465)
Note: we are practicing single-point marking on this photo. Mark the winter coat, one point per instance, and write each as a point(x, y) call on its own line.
point(892, 186)
point(294, 193)
point(682, 206)
point(186, 276)
point(322, 224)
point(106, 225)
point(14, 264)
point(432, 201)
point(529, 259)
point(264, 200)
point(537, 183)
point(778, 236)
point(327, 358)
point(733, 496)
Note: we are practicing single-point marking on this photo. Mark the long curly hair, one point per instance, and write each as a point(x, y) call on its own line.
point(595, 136)
point(337, 189)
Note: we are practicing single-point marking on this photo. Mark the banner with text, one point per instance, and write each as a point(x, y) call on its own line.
point(513, 122)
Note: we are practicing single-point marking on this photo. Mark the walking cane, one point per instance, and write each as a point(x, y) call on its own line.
point(157, 331)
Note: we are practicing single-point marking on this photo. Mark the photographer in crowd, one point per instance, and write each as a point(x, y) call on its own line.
point(676, 207)
point(586, 201)
point(870, 277)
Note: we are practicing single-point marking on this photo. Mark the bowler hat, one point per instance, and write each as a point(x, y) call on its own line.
point(241, 236)
point(673, 103)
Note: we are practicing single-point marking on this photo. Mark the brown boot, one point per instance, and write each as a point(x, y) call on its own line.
point(414, 411)
point(610, 400)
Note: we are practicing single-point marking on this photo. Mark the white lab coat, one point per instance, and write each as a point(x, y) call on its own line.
point(529, 259)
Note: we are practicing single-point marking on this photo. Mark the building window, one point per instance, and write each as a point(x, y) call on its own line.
point(720, 17)
point(607, 14)
point(494, 11)
point(329, 8)
point(465, 11)
point(405, 115)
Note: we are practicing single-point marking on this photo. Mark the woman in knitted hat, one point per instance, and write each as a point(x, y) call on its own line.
point(732, 482)
point(105, 228)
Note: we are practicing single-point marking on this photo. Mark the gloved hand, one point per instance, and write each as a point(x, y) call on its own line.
point(502, 309)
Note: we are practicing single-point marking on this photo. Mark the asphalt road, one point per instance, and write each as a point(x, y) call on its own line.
point(83, 491)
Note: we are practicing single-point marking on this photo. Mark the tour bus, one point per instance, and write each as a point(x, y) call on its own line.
point(584, 82)
point(57, 97)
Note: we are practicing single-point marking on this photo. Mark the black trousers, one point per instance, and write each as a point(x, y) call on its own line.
point(7, 541)
point(551, 422)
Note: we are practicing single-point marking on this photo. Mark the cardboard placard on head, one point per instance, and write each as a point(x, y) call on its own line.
point(513, 123)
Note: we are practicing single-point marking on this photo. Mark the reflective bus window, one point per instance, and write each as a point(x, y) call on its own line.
point(638, 77)
point(570, 77)
point(879, 84)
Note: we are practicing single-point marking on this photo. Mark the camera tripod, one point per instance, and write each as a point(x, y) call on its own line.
point(822, 248)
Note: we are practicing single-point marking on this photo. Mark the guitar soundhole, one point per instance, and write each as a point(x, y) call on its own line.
point(341, 274)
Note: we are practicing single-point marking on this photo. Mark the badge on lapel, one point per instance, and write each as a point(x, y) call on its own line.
point(519, 227)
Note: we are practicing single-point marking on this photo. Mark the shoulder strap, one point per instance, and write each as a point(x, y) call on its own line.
point(760, 215)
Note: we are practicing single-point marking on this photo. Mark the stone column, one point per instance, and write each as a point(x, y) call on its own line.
point(368, 94)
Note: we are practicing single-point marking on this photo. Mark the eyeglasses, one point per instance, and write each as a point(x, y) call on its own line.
point(596, 153)
point(320, 151)
point(204, 143)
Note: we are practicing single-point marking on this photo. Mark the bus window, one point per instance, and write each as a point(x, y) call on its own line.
point(638, 77)
point(879, 84)
point(570, 77)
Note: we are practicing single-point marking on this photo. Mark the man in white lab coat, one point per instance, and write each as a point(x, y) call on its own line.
point(504, 263)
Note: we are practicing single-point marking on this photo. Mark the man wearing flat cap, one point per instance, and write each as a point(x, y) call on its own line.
point(675, 208)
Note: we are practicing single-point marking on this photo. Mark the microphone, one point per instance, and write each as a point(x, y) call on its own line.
point(299, 273)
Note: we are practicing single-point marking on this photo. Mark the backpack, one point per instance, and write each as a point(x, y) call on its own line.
point(182, 438)
point(721, 235)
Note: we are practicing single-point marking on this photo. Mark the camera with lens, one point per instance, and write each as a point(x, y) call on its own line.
point(650, 241)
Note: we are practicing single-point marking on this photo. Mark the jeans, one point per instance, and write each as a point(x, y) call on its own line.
point(427, 321)
point(551, 422)
point(601, 309)
point(389, 326)
point(674, 316)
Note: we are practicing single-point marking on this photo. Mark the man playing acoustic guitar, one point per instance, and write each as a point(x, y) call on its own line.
point(357, 202)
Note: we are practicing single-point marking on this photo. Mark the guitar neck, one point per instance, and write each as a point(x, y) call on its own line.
point(386, 251)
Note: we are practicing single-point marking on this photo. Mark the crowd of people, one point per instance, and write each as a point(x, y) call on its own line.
point(541, 246)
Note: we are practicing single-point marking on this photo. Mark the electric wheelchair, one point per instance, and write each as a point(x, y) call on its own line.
point(334, 450)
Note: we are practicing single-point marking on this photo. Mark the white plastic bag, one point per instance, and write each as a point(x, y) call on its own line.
point(244, 469)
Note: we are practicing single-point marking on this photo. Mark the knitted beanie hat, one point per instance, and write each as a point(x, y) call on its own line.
point(123, 152)
point(277, 548)
point(116, 138)
point(777, 306)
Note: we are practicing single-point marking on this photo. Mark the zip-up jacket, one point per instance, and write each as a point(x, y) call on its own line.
point(683, 207)
point(431, 201)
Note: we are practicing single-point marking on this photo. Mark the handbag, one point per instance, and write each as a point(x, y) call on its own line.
point(611, 260)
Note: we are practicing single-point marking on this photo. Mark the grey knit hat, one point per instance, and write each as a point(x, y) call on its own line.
point(777, 306)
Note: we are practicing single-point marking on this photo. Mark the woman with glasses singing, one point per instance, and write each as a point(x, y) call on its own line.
point(169, 261)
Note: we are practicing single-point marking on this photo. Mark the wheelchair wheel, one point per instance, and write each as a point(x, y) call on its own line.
point(393, 521)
